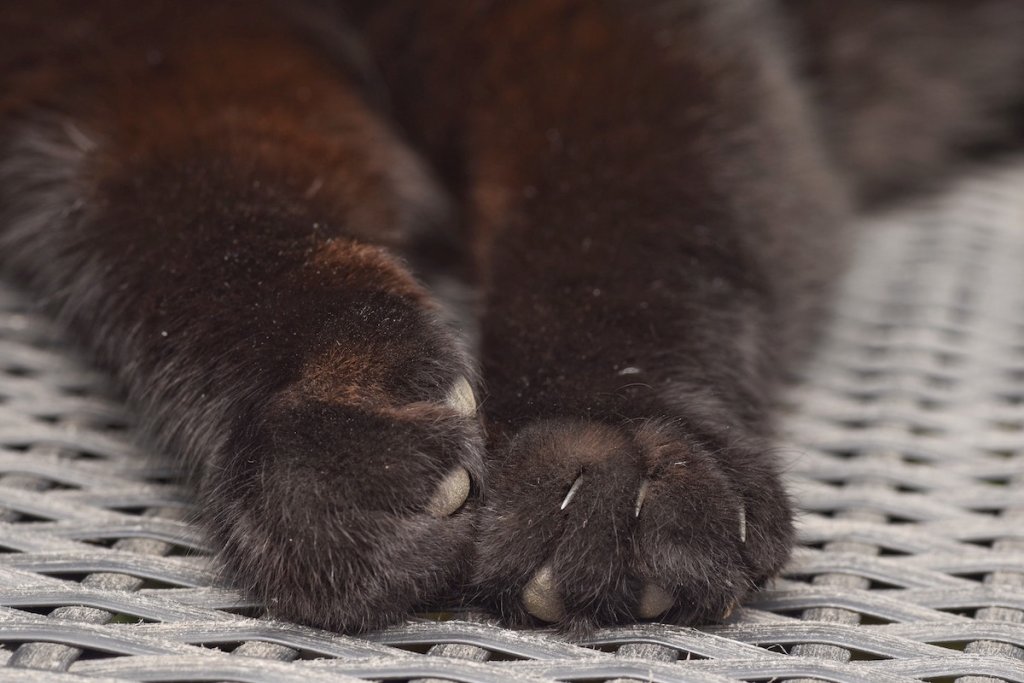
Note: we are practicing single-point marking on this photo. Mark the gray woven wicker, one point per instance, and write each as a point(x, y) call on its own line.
point(906, 440)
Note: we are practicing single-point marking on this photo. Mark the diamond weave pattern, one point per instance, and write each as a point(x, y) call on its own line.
point(904, 441)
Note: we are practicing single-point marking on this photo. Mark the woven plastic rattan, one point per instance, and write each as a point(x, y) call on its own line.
point(906, 446)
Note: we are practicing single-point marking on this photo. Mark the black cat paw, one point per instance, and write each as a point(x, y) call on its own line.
point(588, 524)
point(348, 514)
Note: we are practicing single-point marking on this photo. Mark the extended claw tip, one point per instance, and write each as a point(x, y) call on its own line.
point(640, 496)
point(572, 492)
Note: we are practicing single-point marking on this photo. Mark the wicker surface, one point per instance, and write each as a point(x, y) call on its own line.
point(907, 440)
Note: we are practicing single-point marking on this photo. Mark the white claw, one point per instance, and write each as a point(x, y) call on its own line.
point(572, 492)
point(461, 398)
point(640, 496)
point(541, 596)
point(451, 493)
point(743, 524)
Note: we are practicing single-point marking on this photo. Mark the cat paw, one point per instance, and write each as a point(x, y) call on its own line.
point(588, 524)
point(349, 514)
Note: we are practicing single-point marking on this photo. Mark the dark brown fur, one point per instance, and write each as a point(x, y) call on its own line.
point(235, 205)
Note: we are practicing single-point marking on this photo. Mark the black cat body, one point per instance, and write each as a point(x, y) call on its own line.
point(253, 214)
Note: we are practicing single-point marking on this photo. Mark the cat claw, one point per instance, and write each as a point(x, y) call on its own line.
point(743, 524)
point(654, 601)
point(461, 399)
point(572, 492)
point(730, 609)
point(541, 596)
point(451, 493)
point(640, 496)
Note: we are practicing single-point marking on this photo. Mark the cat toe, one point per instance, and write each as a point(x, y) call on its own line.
point(654, 601)
point(451, 493)
point(541, 597)
point(461, 399)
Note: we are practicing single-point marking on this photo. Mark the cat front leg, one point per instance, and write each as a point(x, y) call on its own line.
point(655, 224)
point(227, 225)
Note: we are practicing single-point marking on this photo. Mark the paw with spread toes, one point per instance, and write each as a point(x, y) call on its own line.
point(589, 524)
